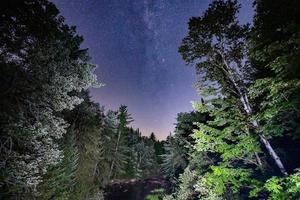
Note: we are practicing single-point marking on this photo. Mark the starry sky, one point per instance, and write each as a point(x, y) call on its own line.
point(134, 44)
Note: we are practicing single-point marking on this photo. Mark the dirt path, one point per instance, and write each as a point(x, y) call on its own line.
point(133, 189)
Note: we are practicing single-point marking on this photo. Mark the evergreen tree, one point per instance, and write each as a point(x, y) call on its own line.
point(119, 156)
point(42, 68)
point(60, 179)
point(175, 159)
point(88, 120)
point(179, 147)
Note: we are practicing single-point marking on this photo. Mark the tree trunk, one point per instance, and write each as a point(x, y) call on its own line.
point(116, 151)
point(264, 141)
point(273, 154)
point(247, 108)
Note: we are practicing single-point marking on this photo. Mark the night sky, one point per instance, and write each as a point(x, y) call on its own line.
point(134, 44)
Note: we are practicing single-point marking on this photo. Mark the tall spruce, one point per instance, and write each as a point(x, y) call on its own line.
point(124, 120)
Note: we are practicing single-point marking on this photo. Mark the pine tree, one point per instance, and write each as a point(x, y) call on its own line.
point(175, 159)
point(60, 180)
point(119, 158)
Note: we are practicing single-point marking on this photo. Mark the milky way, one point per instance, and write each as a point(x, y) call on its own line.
point(134, 43)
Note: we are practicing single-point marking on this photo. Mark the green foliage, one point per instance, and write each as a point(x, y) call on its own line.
point(226, 133)
point(142, 161)
point(124, 118)
point(156, 194)
point(60, 179)
point(278, 106)
point(274, 54)
point(175, 157)
point(179, 146)
point(88, 130)
point(284, 188)
point(228, 161)
point(186, 187)
point(232, 150)
point(152, 197)
point(121, 150)
point(216, 43)
point(222, 180)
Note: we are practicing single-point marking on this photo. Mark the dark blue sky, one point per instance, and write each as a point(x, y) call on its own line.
point(134, 44)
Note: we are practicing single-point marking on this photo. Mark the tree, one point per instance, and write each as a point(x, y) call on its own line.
point(229, 165)
point(185, 125)
point(145, 159)
point(178, 148)
point(87, 121)
point(60, 179)
point(186, 190)
point(124, 120)
point(42, 68)
point(175, 159)
point(153, 137)
point(245, 102)
point(274, 54)
point(217, 42)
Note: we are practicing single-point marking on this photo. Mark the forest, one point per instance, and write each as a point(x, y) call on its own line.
point(240, 142)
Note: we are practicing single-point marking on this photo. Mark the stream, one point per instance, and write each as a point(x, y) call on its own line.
point(133, 189)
